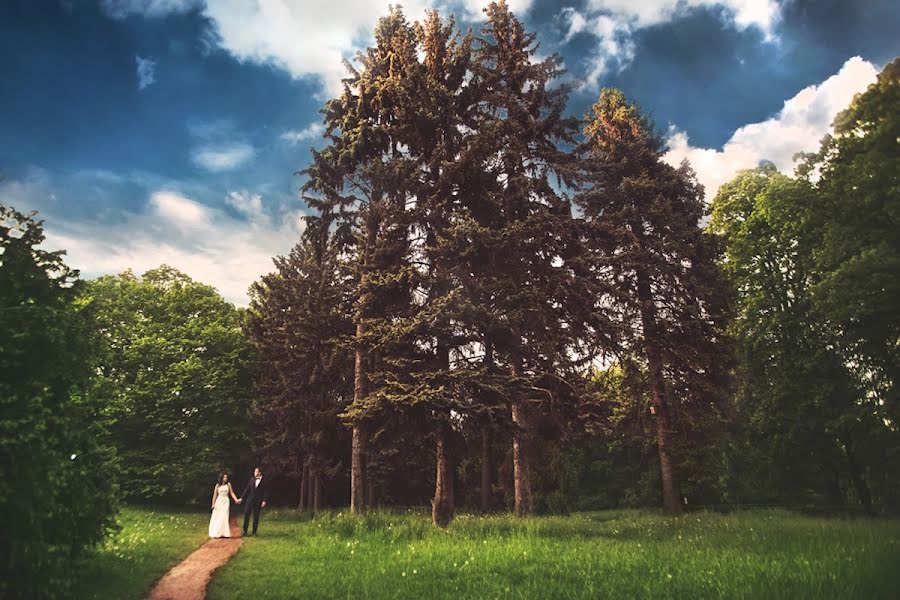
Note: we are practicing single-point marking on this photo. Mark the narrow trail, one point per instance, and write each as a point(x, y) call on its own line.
point(188, 579)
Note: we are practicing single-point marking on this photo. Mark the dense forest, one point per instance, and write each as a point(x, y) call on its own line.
point(494, 306)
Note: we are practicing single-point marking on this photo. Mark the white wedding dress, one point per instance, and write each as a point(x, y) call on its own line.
point(218, 522)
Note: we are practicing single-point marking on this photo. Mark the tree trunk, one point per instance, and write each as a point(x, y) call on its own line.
point(486, 468)
point(361, 376)
point(442, 506)
point(357, 470)
point(358, 456)
point(304, 484)
point(521, 433)
point(310, 488)
point(317, 493)
point(859, 482)
point(671, 501)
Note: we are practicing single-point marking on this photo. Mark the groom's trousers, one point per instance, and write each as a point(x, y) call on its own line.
point(253, 507)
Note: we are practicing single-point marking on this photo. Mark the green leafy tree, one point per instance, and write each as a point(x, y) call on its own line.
point(816, 267)
point(806, 412)
point(856, 231)
point(57, 487)
point(173, 380)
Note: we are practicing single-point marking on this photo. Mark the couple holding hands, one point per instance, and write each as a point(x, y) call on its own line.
point(255, 495)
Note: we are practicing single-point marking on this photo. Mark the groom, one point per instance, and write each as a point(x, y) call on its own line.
point(255, 495)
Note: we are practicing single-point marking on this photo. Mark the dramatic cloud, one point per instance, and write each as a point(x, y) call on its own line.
point(146, 71)
point(301, 37)
point(311, 37)
point(310, 132)
point(228, 252)
point(222, 157)
point(798, 127)
point(615, 45)
point(743, 13)
point(613, 23)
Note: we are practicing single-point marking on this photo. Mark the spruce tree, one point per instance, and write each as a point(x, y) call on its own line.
point(298, 322)
point(516, 238)
point(657, 268)
point(359, 184)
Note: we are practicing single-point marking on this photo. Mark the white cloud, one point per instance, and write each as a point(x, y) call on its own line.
point(644, 13)
point(614, 22)
point(301, 37)
point(474, 9)
point(181, 212)
point(247, 203)
point(222, 157)
point(308, 133)
point(615, 45)
point(205, 242)
point(798, 127)
point(146, 71)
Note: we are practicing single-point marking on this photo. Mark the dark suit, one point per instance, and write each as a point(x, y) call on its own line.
point(252, 498)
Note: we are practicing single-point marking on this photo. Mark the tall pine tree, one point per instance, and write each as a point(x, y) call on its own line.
point(299, 322)
point(360, 184)
point(643, 222)
point(516, 238)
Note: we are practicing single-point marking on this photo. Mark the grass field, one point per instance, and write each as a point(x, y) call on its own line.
point(149, 543)
point(619, 554)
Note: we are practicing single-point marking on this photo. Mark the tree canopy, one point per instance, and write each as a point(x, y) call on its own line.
point(172, 379)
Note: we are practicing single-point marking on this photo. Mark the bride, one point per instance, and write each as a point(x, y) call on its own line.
point(221, 507)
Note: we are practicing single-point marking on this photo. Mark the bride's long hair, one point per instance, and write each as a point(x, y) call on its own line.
point(222, 477)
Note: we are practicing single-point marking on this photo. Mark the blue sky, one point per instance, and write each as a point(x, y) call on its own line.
point(151, 131)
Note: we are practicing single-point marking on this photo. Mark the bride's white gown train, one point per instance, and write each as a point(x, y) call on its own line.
point(218, 522)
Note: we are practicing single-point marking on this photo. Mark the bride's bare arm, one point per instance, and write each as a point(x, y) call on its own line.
point(231, 491)
point(212, 503)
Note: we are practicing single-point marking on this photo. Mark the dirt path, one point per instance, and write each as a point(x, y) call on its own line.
point(188, 579)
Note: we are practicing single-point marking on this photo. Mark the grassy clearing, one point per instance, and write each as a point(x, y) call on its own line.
point(617, 554)
point(149, 543)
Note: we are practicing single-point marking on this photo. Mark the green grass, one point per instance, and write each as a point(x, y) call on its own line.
point(616, 554)
point(149, 543)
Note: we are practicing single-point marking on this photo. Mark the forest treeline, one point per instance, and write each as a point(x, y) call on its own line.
point(494, 305)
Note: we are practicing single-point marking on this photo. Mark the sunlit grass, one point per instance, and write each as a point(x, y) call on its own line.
point(621, 554)
point(149, 543)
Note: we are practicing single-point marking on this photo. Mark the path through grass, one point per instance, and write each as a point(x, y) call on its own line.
point(149, 544)
point(621, 554)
